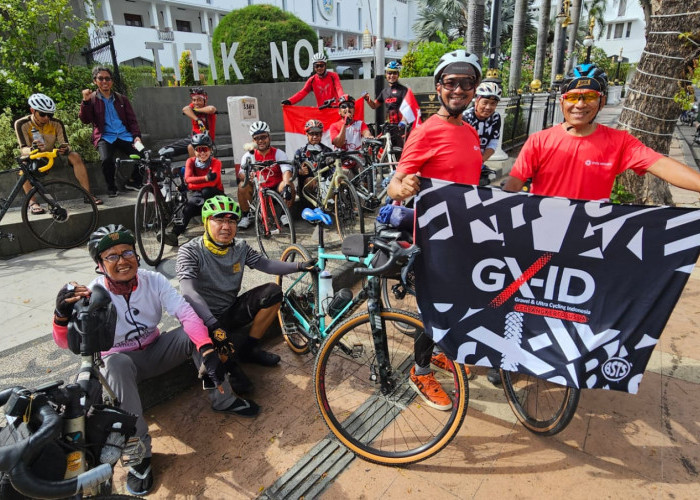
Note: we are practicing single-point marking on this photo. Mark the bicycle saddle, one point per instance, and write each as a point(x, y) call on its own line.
point(316, 216)
point(372, 142)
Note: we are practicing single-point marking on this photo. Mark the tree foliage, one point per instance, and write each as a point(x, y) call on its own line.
point(254, 27)
point(422, 58)
point(186, 69)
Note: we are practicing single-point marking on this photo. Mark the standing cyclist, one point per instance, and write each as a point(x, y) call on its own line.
point(443, 147)
point(392, 97)
point(325, 84)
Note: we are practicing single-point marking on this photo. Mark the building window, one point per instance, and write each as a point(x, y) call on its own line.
point(629, 30)
point(609, 31)
point(618, 30)
point(394, 26)
point(183, 26)
point(133, 20)
point(313, 11)
point(622, 8)
point(337, 13)
point(284, 5)
point(359, 19)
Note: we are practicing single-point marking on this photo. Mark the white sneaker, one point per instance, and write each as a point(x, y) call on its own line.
point(245, 221)
point(284, 220)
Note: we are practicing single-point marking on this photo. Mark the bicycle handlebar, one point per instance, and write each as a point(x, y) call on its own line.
point(259, 165)
point(329, 103)
point(37, 155)
point(397, 255)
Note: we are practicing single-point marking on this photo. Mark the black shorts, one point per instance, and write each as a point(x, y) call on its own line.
point(246, 306)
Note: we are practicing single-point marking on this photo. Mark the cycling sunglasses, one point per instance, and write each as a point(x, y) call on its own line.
point(465, 84)
point(319, 65)
point(587, 96)
point(44, 115)
point(202, 149)
point(347, 106)
point(104, 78)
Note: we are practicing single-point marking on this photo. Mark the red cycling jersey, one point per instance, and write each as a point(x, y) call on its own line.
point(325, 87)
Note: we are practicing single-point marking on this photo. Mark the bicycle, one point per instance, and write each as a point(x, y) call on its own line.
point(72, 212)
point(64, 440)
point(361, 374)
point(330, 189)
point(159, 204)
point(274, 228)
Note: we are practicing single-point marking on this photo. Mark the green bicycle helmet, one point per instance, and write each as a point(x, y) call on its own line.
point(106, 237)
point(220, 205)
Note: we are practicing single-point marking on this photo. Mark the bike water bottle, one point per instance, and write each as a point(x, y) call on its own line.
point(37, 138)
point(74, 432)
point(325, 290)
point(341, 299)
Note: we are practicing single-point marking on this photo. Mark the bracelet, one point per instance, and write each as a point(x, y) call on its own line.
point(60, 320)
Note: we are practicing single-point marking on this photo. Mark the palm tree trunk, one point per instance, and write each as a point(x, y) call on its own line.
point(575, 15)
point(542, 37)
point(516, 53)
point(650, 113)
point(475, 27)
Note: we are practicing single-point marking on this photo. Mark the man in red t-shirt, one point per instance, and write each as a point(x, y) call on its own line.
point(443, 147)
point(278, 176)
point(579, 158)
point(203, 117)
point(325, 84)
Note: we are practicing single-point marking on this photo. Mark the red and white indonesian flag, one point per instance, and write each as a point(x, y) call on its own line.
point(409, 109)
point(295, 117)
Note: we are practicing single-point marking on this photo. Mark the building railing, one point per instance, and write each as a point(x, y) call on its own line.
point(166, 35)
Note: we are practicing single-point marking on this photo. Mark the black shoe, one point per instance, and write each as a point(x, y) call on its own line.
point(170, 239)
point(112, 193)
point(260, 357)
point(242, 408)
point(240, 383)
point(139, 480)
point(494, 377)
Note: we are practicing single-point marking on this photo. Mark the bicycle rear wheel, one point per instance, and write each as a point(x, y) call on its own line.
point(393, 427)
point(71, 214)
point(348, 211)
point(273, 231)
point(149, 225)
point(543, 407)
point(300, 291)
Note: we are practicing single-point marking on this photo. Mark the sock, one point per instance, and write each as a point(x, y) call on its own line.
point(422, 370)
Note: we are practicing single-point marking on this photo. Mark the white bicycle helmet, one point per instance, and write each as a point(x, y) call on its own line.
point(490, 90)
point(259, 128)
point(319, 57)
point(41, 102)
point(457, 56)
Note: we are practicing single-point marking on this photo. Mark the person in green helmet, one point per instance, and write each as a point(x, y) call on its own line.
point(210, 269)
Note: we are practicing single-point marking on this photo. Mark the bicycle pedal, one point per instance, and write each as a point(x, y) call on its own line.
point(133, 453)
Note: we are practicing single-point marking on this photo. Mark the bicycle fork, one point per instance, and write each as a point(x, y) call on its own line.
point(381, 369)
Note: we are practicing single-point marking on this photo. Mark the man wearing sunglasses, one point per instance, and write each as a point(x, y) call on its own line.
point(579, 158)
point(115, 127)
point(305, 157)
point(443, 147)
point(325, 84)
point(392, 97)
point(40, 130)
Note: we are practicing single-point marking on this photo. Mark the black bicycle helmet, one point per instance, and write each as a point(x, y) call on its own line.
point(201, 140)
point(198, 91)
point(586, 76)
point(346, 98)
point(106, 237)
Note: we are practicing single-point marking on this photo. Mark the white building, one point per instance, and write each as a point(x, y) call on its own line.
point(180, 24)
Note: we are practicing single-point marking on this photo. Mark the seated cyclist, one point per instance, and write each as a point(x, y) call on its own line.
point(203, 117)
point(275, 176)
point(210, 269)
point(309, 153)
point(347, 133)
point(203, 178)
point(140, 351)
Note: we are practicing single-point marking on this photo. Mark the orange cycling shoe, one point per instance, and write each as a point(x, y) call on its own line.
point(430, 390)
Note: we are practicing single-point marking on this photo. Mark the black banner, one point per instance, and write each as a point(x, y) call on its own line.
point(574, 292)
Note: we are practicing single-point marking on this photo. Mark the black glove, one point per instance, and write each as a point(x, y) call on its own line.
point(287, 193)
point(348, 120)
point(211, 176)
point(286, 102)
point(212, 364)
point(65, 309)
point(219, 337)
point(308, 265)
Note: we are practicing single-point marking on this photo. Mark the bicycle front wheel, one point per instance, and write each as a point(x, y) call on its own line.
point(390, 426)
point(273, 225)
point(149, 225)
point(71, 214)
point(543, 407)
point(300, 291)
point(348, 212)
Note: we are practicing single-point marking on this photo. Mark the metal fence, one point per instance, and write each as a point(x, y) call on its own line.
point(524, 115)
point(101, 51)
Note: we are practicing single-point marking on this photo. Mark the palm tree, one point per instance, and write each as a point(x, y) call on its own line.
point(542, 39)
point(518, 45)
point(475, 27)
point(447, 16)
point(575, 15)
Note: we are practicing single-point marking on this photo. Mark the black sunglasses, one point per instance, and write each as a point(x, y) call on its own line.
point(104, 78)
point(44, 115)
point(347, 106)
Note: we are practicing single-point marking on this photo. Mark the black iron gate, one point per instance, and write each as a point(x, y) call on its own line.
point(101, 51)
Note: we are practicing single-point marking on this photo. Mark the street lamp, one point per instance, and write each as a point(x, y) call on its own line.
point(588, 40)
point(564, 20)
point(619, 61)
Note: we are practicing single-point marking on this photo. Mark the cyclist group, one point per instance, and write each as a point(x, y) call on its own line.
point(210, 267)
